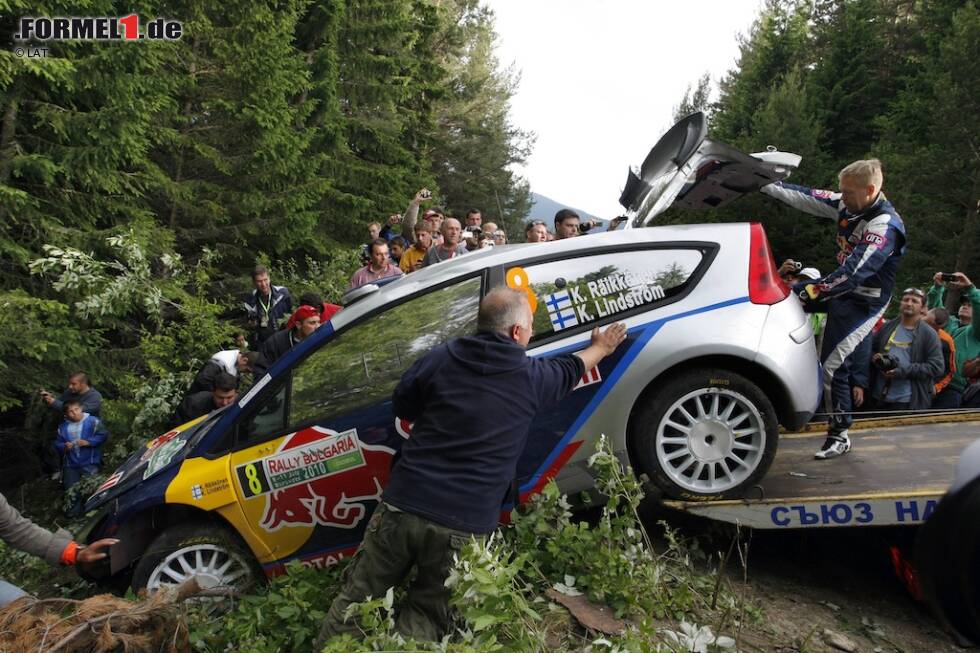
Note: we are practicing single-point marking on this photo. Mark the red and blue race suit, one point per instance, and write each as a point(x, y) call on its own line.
point(855, 295)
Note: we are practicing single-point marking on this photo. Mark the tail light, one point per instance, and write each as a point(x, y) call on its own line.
point(765, 285)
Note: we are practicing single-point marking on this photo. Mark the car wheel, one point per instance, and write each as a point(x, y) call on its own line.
point(706, 433)
point(948, 555)
point(216, 557)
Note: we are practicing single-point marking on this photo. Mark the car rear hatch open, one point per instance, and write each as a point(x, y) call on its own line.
point(686, 168)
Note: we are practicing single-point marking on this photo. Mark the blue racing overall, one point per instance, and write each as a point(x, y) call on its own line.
point(855, 295)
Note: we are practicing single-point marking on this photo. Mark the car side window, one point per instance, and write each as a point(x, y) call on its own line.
point(574, 293)
point(361, 366)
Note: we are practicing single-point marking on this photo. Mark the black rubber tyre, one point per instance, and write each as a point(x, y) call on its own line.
point(217, 556)
point(706, 433)
point(948, 556)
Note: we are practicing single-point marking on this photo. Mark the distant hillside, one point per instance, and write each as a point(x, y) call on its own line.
point(545, 208)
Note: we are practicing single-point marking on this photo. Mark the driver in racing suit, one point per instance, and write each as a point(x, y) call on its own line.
point(871, 237)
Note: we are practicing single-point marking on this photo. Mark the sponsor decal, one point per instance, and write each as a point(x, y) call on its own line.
point(112, 481)
point(324, 457)
point(589, 378)
point(821, 194)
point(162, 455)
point(201, 490)
point(156, 443)
point(874, 239)
point(318, 478)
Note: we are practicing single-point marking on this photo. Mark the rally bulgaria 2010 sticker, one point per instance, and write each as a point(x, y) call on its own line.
point(324, 457)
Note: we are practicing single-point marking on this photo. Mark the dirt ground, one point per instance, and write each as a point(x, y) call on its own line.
point(806, 583)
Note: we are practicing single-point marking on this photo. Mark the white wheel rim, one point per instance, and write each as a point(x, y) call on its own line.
point(214, 566)
point(710, 440)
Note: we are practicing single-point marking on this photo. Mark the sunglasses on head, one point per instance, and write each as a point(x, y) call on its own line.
point(914, 291)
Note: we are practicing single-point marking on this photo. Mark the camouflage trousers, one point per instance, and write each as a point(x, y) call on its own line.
point(394, 543)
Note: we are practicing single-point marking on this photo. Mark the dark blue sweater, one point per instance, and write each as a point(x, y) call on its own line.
point(472, 401)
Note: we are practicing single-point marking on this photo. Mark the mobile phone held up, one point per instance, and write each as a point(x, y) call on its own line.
point(947, 276)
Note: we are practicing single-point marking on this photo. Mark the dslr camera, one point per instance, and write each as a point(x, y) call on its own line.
point(884, 362)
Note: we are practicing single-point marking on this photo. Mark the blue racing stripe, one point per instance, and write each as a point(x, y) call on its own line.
point(647, 331)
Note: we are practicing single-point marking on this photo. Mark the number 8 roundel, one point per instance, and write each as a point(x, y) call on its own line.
point(517, 279)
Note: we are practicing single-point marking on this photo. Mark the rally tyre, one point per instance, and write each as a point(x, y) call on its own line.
point(203, 549)
point(706, 433)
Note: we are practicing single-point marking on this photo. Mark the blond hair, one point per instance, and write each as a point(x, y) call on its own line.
point(866, 172)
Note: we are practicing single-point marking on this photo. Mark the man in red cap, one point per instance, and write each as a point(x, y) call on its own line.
point(302, 323)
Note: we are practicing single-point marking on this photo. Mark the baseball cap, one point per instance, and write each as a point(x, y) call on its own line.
point(810, 273)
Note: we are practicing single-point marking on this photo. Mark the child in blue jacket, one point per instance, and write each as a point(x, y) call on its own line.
point(80, 439)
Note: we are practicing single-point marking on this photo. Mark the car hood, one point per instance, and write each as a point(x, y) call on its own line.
point(158, 454)
point(686, 168)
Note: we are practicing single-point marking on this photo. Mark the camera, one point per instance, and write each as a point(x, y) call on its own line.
point(947, 276)
point(425, 194)
point(797, 265)
point(884, 362)
point(584, 227)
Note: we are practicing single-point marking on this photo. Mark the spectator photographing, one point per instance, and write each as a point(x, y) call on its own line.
point(568, 224)
point(78, 390)
point(80, 439)
point(906, 359)
point(872, 239)
point(380, 267)
point(266, 307)
point(966, 339)
point(223, 392)
point(454, 471)
point(937, 299)
point(450, 247)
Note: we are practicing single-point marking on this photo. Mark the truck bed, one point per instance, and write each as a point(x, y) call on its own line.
point(892, 475)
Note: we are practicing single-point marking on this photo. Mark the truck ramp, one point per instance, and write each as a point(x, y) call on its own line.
point(893, 475)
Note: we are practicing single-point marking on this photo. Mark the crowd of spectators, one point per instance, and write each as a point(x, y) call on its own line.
point(924, 358)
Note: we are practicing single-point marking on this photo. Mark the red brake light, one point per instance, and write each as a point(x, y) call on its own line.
point(765, 284)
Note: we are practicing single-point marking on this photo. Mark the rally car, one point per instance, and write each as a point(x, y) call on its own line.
point(718, 354)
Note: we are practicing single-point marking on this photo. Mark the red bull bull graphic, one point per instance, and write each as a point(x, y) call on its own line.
point(318, 478)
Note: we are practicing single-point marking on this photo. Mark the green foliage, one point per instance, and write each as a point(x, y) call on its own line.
point(284, 616)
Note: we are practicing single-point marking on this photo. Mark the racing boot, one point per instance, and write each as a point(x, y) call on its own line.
point(835, 445)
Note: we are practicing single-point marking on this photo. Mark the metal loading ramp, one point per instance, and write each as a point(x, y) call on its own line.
point(893, 475)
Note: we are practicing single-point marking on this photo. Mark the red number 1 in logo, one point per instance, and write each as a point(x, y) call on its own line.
point(132, 25)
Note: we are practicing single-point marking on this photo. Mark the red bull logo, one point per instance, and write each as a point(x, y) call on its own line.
point(318, 477)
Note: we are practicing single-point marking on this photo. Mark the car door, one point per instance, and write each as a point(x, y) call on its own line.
point(687, 169)
point(313, 454)
point(571, 295)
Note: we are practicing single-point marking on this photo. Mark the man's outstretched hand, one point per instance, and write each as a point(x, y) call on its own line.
point(603, 344)
point(609, 339)
point(96, 551)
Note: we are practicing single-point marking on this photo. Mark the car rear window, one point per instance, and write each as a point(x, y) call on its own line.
point(574, 294)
